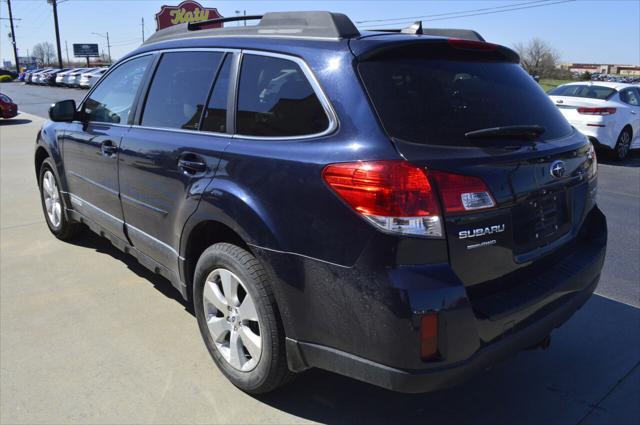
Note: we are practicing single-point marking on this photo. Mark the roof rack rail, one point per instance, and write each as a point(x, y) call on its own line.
point(416, 28)
point(316, 24)
point(193, 26)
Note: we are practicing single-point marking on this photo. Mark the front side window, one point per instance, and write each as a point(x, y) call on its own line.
point(113, 98)
point(275, 99)
point(179, 89)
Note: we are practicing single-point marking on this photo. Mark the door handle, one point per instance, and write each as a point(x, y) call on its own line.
point(192, 164)
point(108, 148)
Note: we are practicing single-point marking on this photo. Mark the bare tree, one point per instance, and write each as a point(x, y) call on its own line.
point(44, 53)
point(538, 57)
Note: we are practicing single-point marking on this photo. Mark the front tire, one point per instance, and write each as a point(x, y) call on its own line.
point(623, 145)
point(52, 205)
point(238, 319)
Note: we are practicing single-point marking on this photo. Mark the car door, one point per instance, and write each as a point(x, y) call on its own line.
point(631, 97)
point(166, 161)
point(90, 147)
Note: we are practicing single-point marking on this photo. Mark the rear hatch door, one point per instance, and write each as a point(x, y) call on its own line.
point(430, 94)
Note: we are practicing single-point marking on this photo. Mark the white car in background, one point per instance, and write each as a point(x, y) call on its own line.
point(88, 79)
point(607, 113)
point(37, 76)
point(61, 79)
point(72, 78)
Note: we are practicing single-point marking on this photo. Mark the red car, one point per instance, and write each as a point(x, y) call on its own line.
point(8, 109)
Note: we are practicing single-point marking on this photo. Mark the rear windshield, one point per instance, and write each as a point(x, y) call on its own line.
point(583, 90)
point(436, 101)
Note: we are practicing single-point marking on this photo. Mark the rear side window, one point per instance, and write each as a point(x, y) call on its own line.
point(436, 101)
point(179, 89)
point(583, 90)
point(630, 97)
point(215, 116)
point(275, 99)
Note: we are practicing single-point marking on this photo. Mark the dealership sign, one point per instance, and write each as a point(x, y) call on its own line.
point(187, 11)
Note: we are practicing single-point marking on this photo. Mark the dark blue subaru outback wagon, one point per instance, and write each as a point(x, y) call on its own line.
point(402, 207)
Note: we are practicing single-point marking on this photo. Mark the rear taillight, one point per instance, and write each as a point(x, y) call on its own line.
point(593, 166)
point(597, 111)
point(393, 195)
point(462, 193)
point(399, 197)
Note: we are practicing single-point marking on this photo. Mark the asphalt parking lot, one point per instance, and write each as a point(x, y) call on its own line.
point(89, 336)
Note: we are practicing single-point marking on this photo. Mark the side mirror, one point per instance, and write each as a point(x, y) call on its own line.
point(62, 111)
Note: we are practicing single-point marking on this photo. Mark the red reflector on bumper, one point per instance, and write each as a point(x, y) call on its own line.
point(429, 336)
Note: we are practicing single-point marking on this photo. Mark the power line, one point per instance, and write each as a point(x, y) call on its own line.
point(113, 43)
point(137, 41)
point(450, 13)
point(472, 14)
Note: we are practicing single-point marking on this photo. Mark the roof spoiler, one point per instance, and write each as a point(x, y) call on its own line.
point(453, 44)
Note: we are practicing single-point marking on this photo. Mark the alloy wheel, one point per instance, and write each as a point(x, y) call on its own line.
point(232, 319)
point(624, 144)
point(52, 199)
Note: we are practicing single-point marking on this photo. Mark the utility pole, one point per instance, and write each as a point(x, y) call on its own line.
point(143, 30)
point(108, 44)
point(66, 46)
point(54, 3)
point(108, 48)
point(13, 38)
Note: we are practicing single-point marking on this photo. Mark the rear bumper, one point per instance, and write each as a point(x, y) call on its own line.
point(363, 322)
point(417, 381)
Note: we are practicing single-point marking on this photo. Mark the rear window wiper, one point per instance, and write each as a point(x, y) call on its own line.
point(520, 131)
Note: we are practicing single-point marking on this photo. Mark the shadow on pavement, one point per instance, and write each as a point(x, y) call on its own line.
point(88, 239)
point(588, 358)
point(14, 121)
point(632, 159)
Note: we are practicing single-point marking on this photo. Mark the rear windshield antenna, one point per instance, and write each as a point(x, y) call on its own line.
point(415, 28)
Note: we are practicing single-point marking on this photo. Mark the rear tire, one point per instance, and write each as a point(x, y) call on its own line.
point(238, 319)
point(623, 145)
point(53, 206)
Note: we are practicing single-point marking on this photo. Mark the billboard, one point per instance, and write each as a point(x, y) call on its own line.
point(187, 11)
point(28, 62)
point(86, 51)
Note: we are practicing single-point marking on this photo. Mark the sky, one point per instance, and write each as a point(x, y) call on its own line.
point(593, 31)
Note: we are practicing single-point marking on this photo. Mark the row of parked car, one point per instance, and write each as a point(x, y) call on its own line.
point(65, 77)
point(628, 79)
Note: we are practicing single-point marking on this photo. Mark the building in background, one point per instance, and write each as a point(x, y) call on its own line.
point(595, 68)
point(27, 62)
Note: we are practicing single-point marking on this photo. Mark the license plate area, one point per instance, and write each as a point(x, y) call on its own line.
point(540, 219)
